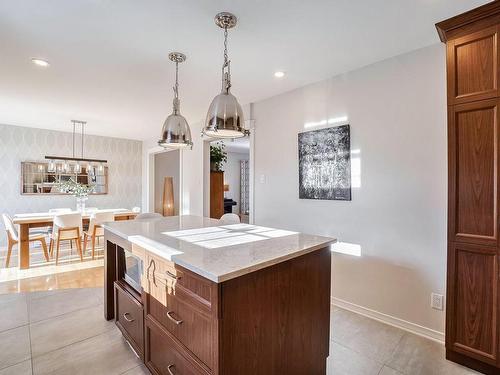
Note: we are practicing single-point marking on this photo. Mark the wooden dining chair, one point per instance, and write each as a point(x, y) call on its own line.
point(13, 238)
point(65, 210)
point(95, 229)
point(67, 227)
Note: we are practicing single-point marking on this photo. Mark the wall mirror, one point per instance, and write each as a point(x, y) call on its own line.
point(42, 177)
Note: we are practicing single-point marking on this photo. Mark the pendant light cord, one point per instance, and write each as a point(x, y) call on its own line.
point(74, 124)
point(83, 135)
point(176, 88)
point(226, 75)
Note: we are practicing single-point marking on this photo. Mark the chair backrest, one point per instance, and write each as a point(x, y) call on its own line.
point(227, 219)
point(148, 215)
point(98, 218)
point(63, 221)
point(10, 227)
point(59, 210)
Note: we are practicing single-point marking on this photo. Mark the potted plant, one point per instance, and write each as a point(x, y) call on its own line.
point(79, 191)
point(217, 156)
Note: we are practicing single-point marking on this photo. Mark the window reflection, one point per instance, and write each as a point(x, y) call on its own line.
point(228, 235)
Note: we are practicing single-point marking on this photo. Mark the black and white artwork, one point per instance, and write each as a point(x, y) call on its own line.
point(325, 164)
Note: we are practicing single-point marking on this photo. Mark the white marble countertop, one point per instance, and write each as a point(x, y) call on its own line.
point(218, 253)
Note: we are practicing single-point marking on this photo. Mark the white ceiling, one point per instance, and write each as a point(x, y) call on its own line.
point(241, 145)
point(109, 61)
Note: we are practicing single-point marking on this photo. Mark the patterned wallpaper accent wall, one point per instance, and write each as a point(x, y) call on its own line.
point(19, 144)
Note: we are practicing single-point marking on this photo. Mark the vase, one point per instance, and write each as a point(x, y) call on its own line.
point(80, 204)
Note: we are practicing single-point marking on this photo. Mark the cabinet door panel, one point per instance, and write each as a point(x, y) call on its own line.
point(129, 318)
point(472, 313)
point(473, 67)
point(473, 155)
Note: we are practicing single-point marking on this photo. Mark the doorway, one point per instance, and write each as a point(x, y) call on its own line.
point(228, 178)
point(167, 182)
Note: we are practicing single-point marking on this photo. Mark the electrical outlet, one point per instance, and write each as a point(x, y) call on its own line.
point(437, 301)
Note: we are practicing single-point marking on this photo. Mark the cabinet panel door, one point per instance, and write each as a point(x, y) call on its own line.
point(472, 311)
point(473, 67)
point(473, 179)
point(164, 356)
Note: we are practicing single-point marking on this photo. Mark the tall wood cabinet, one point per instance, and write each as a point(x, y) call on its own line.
point(216, 194)
point(472, 332)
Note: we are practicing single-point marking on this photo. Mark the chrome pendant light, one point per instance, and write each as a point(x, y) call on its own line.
point(176, 133)
point(225, 116)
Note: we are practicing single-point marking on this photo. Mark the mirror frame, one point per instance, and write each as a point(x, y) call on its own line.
point(45, 164)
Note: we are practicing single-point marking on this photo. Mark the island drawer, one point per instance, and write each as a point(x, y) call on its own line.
point(129, 317)
point(176, 277)
point(192, 326)
point(164, 356)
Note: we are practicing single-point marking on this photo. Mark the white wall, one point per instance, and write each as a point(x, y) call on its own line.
point(166, 164)
point(232, 176)
point(397, 113)
point(19, 144)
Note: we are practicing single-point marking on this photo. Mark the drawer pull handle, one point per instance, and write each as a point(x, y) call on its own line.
point(169, 367)
point(169, 315)
point(126, 317)
point(170, 274)
point(152, 264)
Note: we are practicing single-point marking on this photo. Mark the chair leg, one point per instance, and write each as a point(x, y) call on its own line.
point(93, 247)
point(79, 248)
point(9, 252)
point(51, 247)
point(57, 251)
point(85, 239)
point(44, 247)
point(71, 244)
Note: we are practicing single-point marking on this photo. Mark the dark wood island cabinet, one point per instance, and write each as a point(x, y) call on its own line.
point(271, 318)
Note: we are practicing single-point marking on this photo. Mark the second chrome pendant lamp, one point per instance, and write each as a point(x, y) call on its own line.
point(176, 133)
point(225, 116)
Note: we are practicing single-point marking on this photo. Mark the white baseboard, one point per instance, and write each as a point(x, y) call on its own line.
point(391, 320)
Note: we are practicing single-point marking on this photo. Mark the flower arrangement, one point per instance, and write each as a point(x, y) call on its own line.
point(217, 156)
point(74, 188)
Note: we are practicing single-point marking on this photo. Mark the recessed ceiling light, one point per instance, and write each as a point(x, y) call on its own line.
point(40, 62)
point(279, 74)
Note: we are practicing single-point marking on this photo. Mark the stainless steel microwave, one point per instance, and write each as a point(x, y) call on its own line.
point(133, 268)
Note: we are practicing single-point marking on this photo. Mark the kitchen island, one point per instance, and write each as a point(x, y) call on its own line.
point(193, 297)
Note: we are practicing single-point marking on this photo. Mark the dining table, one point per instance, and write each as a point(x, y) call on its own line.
point(27, 221)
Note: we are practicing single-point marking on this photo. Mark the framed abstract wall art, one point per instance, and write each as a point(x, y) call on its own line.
point(325, 164)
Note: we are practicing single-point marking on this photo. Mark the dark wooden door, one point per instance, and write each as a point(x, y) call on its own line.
point(472, 324)
point(473, 230)
point(473, 66)
point(473, 172)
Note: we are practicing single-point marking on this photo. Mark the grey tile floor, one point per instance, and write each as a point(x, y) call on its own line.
point(64, 332)
point(61, 332)
point(363, 346)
